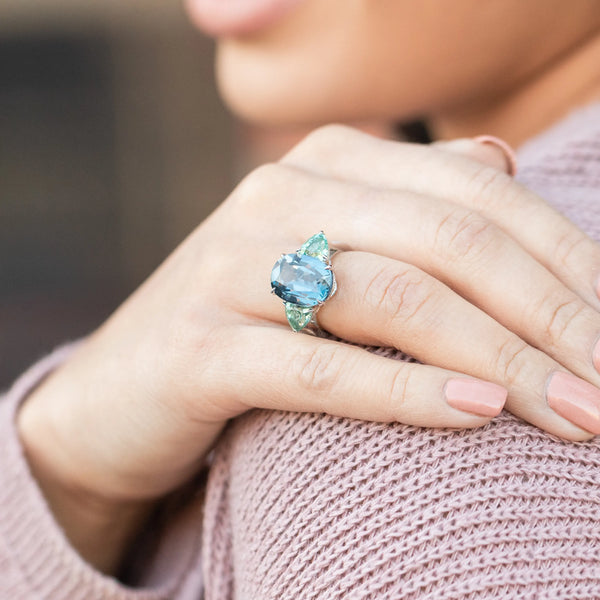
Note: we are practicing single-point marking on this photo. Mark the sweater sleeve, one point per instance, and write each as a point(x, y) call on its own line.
point(36, 560)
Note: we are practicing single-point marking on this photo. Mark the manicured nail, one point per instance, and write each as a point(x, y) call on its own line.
point(472, 395)
point(575, 399)
point(509, 153)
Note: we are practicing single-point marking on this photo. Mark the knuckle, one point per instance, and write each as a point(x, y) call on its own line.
point(565, 253)
point(487, 184)
point(558, 318)
point(400, 295)
point(465, 235)
point(190, 333)
point(325, 149)
point(511, 360)
point(258, 185)
point(319, 369)
point(398, 392)
point(328, 135)
point(186, 344)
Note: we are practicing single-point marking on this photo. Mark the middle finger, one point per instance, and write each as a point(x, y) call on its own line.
point(344, 153)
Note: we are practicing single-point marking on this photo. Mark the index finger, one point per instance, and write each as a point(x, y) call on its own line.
point(555, 242)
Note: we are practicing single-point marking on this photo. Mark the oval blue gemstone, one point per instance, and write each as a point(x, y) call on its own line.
point(301, 279)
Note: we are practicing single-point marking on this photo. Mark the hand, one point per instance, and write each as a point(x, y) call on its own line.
point(452, 261)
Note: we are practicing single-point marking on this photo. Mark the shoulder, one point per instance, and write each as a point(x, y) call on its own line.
point(562, 165)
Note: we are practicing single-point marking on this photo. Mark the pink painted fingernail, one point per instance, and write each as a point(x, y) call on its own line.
point(475, 396)
point(509, 153)
point(575, 399)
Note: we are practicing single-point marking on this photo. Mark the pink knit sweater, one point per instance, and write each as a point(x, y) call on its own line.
point(306, 506)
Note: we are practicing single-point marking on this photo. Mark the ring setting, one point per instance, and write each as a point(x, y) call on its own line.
point(304, 280)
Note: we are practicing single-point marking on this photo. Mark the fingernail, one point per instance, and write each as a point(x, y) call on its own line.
point(475, 396)
point(575, 399)
point(509, 153)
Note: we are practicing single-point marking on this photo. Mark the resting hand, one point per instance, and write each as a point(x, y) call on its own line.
point(451, 261)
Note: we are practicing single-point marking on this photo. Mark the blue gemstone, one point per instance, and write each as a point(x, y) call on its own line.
point(301, 279)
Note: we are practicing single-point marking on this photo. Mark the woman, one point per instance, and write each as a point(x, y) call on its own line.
point(357, 475)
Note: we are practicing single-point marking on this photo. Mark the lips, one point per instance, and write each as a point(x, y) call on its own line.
point(224, 18)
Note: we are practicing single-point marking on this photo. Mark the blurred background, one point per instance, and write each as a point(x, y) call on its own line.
point(113, 147)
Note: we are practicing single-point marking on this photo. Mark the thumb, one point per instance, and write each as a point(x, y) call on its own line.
point(486, 149)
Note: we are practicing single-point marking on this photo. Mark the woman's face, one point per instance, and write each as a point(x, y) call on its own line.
point(313, 61)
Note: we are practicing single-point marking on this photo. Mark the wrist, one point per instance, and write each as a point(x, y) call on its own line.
point(99, 527)
point(99, 530)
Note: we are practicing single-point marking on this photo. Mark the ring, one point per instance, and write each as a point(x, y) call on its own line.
point(304, 281)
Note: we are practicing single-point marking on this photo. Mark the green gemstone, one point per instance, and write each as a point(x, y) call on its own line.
point(316, 246)
point(298, 316)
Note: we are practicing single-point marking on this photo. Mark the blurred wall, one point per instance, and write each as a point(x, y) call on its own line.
point(113, 146)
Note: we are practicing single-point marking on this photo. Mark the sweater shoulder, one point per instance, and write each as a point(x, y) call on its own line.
point(562, 165)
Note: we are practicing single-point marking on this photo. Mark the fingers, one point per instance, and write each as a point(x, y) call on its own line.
point(344, 153)
point(473, 256)
point(457, 246)
point(295, 372)
point(381, 301)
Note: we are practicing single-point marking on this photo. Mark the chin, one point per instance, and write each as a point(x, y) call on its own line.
point(268, 90)
point(250, 101)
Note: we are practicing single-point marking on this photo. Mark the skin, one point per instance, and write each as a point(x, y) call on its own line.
point(473, 69)
point(436, 243)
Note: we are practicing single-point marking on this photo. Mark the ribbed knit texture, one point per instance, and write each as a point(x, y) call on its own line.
point(307, 506)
